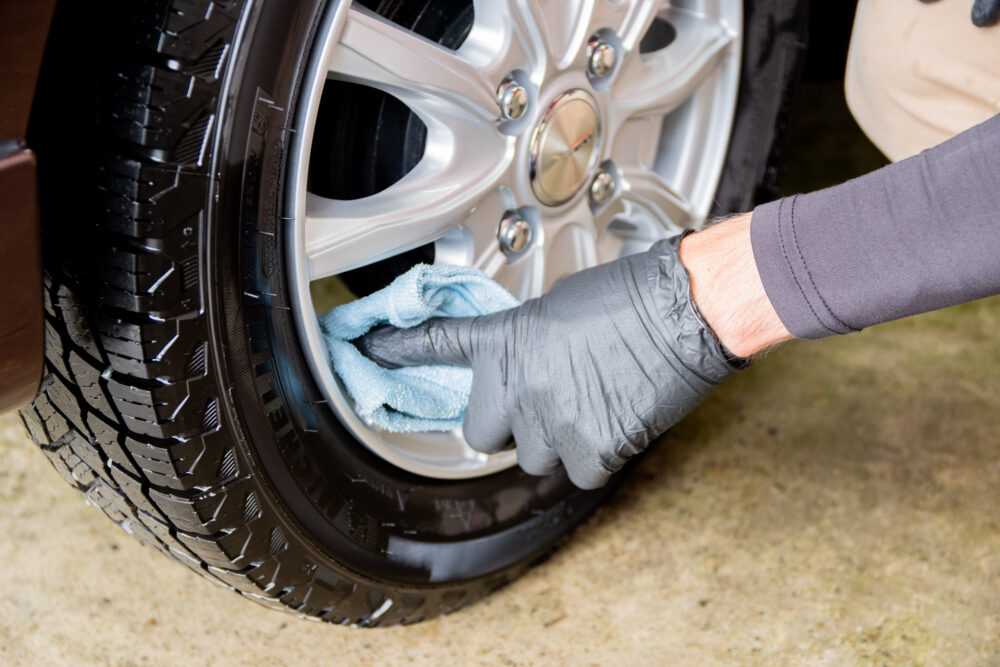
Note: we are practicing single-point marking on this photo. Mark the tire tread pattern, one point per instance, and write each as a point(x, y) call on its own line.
point(127, 413)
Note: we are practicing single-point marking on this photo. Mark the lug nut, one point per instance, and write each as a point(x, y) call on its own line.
point(513, 99)
point(514, 233)
point(601, 57)
point(602, 187)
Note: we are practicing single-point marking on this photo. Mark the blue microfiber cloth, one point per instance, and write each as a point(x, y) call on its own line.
point(420, 398)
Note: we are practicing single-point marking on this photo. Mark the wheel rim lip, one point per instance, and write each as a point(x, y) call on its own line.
point(474, 464)
point(305, 315)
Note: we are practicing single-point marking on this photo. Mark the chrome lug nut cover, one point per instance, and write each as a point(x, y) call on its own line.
point(514, 233)
point(513, 100)
point(601, 57)
point(602, 187)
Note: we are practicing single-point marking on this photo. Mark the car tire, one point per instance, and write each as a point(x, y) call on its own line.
point(176, 395)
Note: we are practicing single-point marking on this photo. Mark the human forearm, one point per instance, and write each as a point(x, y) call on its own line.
point(915, 236)
point(727, 288)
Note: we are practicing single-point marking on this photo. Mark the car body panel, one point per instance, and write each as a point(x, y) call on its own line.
point(21, 348)
point(24, 27)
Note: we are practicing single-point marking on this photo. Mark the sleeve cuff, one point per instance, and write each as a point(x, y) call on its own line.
point(786, 277)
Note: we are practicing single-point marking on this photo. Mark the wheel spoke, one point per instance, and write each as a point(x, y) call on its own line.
point(524, 278)
point(571, 249)
point(436, 82)
point(525, 34)
point(432, 199)
point(655, 83)
point(565, 27)
point(647, 189)
point(483, 224)
point(569, 244)
point(630, 20)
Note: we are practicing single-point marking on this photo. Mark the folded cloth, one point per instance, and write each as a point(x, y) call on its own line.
point(420, 398)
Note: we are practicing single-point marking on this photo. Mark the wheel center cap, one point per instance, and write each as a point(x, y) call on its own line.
point(564, 147)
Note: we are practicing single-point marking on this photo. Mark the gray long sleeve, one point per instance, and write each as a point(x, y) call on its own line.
point(911, 237)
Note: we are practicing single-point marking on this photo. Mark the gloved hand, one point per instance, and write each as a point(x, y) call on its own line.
point(586, 375)
point(984, 12)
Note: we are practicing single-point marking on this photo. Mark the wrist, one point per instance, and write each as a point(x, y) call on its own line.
point(727, 288)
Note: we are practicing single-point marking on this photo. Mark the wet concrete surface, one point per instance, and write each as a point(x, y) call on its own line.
point(835, 504)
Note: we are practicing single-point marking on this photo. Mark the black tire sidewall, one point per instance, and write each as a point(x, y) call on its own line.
point(351, 506)
point(775, 36)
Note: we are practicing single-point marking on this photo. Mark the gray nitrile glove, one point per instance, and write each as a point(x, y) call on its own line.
point(587, 375)
point(984, 12)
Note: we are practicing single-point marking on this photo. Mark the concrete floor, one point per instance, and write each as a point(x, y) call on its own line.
point(834, 504)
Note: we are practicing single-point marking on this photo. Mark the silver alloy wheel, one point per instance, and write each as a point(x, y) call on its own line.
point(658, 123)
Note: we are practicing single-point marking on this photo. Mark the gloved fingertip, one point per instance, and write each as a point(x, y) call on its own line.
point(588, 480)
point(377, 344)
point(484, 431)
point(487, 442)
point(437, 341)
point(485, 425)
point(985, 13)
point(537, 459)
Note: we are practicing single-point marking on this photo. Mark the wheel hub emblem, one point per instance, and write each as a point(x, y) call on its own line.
point(564, 147)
